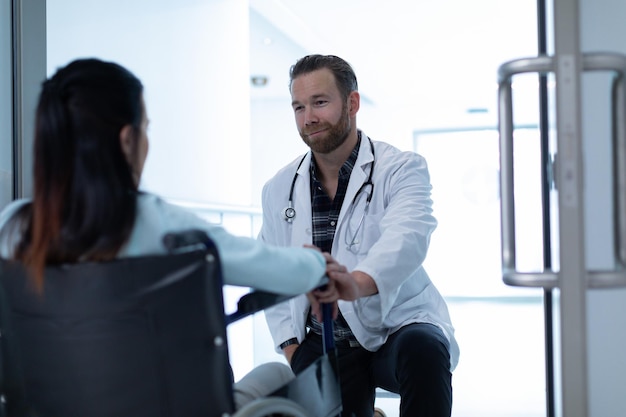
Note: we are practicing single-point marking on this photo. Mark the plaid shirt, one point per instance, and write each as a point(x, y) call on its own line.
point(324, 219)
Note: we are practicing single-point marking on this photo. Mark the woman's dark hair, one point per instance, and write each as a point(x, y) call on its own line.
point(343, 72)
point(84, 200)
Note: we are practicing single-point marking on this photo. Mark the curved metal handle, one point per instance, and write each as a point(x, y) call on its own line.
point(542, 64)
point(616, 63)
point(619, 164)
point(505, 119)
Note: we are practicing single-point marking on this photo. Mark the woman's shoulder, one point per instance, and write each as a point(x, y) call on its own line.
point(10, 231)
point(155, 218)
point(10, 209)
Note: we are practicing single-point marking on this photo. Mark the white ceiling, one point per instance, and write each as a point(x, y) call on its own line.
point(433, 56)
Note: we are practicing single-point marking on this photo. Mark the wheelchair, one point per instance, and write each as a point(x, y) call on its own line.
point(139, 337)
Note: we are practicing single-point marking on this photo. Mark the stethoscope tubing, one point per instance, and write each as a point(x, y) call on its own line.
point(289, 213)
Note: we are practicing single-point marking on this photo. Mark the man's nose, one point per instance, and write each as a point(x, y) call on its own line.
point(310, 117)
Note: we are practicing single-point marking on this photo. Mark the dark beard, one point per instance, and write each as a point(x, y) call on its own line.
point(336, 134)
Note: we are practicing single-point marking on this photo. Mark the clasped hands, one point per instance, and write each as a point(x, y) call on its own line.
point(342, 285)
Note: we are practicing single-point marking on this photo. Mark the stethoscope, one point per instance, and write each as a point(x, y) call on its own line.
point(289, 213)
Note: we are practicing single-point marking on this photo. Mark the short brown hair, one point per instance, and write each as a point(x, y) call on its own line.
point(343, 72)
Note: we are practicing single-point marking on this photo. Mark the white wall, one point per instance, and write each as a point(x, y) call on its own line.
point(193, 58)
point(602, 30)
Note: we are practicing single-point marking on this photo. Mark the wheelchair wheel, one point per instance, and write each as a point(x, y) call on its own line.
point(272, 406)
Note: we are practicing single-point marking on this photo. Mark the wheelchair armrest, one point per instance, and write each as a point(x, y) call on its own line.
point(258, 300)
point(255, 301)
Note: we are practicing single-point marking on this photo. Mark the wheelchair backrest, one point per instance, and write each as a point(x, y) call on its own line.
point(131, 337)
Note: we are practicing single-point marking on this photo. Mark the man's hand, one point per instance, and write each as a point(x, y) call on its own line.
point(343, 285)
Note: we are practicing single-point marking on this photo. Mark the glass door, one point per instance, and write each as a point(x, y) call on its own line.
point(6, 105)
point(500, 329)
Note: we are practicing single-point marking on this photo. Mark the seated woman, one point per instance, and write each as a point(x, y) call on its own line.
point(90, 148)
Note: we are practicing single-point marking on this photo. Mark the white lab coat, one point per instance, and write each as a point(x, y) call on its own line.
point(392, 245)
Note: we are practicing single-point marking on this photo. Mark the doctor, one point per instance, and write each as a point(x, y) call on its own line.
point(367, 206)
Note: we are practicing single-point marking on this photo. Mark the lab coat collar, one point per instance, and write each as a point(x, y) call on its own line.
point(359, 175)
point(301, 232)
point(302, 229)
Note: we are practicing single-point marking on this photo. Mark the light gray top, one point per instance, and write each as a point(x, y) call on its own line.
point(245, 261)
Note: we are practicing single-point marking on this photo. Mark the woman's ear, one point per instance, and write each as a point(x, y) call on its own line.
point(126, 142)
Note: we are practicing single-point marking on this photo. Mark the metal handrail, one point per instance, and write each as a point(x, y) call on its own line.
point(544, 64)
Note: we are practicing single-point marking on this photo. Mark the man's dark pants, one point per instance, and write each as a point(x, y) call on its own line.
point(414, 362)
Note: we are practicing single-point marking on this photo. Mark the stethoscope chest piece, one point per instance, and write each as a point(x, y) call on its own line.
point(289, 213)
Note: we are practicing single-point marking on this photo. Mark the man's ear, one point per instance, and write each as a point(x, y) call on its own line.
point(126, 141)
point(354, 102)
